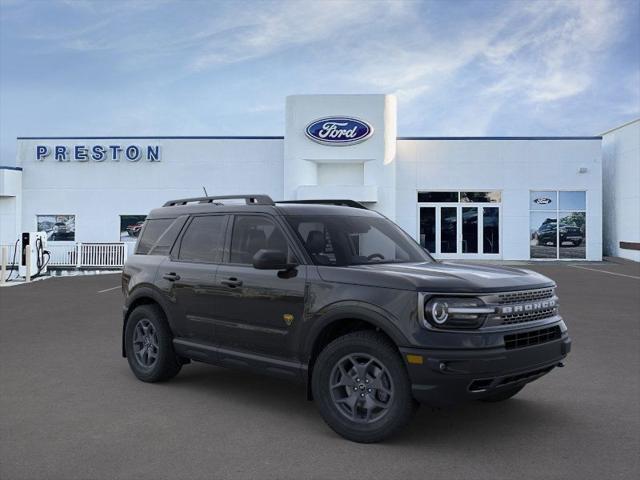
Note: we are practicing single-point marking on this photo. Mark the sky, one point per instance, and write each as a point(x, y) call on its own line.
point(458, 68)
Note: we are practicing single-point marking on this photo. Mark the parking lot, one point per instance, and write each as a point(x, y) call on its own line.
point(71, 409)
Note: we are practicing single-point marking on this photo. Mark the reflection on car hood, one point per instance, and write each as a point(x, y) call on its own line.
point(437, 277)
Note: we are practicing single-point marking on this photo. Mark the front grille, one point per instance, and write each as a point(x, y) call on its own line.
point(528, 316)
point(525, 296)
point(535, 337)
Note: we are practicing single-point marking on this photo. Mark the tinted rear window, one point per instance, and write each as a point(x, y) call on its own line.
point(204, 239)
point(158, 235)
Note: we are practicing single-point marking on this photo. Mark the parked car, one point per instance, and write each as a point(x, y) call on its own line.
point(134, 229)
point(571, 234)
point(548, 234)
point(61, 231)
point(339, 298)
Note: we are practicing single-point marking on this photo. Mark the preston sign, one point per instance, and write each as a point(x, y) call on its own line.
point(339, 130)
point(98, 153)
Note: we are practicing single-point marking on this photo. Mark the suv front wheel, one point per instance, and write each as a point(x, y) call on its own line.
point(361, 387)
point(149, 345)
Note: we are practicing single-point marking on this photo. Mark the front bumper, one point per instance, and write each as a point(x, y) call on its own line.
point(449, 376)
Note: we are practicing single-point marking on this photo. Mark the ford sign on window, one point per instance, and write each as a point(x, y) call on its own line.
point(339, 130)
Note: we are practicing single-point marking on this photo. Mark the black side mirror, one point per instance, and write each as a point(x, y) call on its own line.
point(271, 260)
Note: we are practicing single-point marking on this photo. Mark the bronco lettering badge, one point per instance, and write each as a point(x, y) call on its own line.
point(527, 307)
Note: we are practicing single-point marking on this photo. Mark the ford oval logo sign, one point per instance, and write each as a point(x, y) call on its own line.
point(338, 130)
point(543, 201)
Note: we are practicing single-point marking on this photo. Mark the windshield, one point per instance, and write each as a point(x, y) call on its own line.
point(346, 240)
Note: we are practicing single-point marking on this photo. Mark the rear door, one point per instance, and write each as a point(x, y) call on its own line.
point(258, 309)
point(189, 276)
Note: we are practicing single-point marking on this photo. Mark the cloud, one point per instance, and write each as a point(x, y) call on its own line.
point(201, 67)
point(532, 55)
point(551, 49)
point(281, 26)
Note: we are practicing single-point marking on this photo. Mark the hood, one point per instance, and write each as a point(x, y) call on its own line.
point(437, 277)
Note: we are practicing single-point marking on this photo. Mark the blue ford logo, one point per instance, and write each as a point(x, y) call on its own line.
point(338, 130)
point(542, 201)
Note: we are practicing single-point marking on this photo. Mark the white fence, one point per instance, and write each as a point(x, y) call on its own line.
point(80, 255)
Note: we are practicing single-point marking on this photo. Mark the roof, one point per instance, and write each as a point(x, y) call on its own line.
point(502, 138)
point(201, 205)
point(621, 126)
point(267, 137)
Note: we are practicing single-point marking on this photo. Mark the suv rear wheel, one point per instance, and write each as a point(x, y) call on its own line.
point(361, 387)
point(149, 346)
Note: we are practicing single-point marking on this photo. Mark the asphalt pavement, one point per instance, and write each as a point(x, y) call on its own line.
point(71, 409)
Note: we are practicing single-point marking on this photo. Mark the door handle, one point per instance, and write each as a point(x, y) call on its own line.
point(231, 282)
point(171, 276)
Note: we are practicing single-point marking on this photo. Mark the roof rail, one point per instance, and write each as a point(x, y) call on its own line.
point(249, 200)
point(341, 203)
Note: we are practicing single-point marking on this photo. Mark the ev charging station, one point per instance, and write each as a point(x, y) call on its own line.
point(34, 256)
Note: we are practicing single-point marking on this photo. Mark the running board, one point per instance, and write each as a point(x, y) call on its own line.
point(224, 357)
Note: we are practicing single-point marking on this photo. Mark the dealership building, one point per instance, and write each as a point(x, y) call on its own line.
point(502, 198)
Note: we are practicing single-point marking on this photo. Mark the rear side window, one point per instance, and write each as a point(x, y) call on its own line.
point(203, 240)
point(151, 233)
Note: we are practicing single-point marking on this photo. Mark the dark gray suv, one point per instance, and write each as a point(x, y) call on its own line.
point(336, 296)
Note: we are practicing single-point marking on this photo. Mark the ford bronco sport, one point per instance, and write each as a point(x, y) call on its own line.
point(336, 296)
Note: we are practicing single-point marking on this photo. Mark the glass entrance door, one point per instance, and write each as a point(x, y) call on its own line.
point(460, 230)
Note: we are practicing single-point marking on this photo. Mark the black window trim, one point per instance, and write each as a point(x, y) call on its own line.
point(299, 253)
point(175, 250)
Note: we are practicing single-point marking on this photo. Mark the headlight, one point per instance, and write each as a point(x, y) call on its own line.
point(455, 312)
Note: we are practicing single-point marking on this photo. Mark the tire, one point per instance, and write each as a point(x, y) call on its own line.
point(147, 330)
point(355, 407)
point(503, 395)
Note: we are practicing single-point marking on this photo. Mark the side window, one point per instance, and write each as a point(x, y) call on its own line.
point(253, 233)
point(163, 245)
point(151, 232)
point(317, 240)
point(203, 240)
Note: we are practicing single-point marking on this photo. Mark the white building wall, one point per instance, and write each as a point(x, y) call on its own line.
point(313, 170)
point(514, 167)
point(99, 192)
point(383, 171)
point(10, 205)
point(621, 184)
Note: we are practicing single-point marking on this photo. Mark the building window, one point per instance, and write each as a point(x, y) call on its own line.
point(491, 230)
point(130, 226)
point(428, 197)
point(492, 196)
point(481, 197)
point(467, 226)
point(57, 227)
point(558, 224)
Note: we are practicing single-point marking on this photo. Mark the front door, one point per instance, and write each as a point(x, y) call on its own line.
point(258, 309)
point(460, 231)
